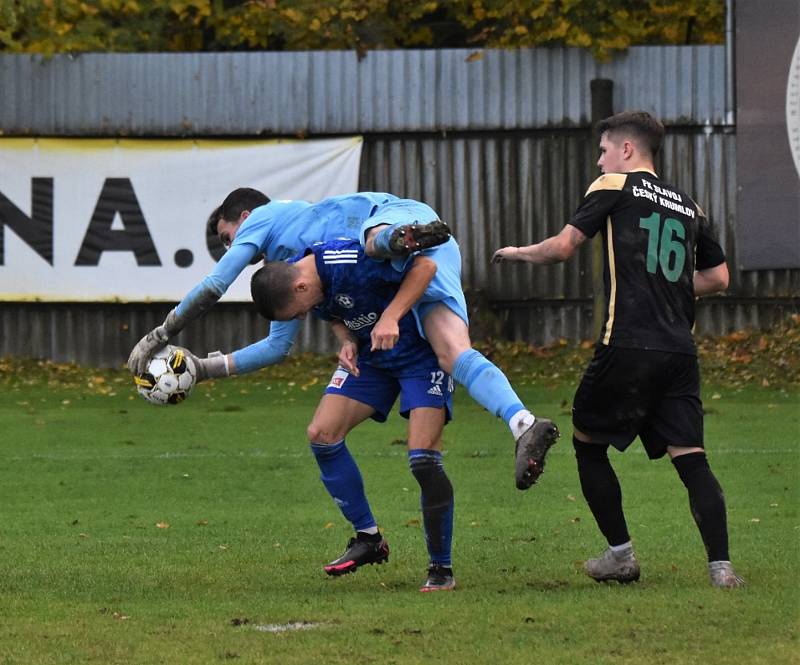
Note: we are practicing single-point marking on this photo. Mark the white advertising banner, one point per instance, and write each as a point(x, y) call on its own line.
point(124, 220)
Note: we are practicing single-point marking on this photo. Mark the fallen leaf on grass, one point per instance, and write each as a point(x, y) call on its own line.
point(162, 525)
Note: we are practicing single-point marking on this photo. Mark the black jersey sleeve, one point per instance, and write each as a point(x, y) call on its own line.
point(596, 206)
point(709, 252)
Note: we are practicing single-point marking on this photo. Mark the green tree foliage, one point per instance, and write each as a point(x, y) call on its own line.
point(604, 26)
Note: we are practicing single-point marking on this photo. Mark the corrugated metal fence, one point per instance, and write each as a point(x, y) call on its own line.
point(497, 142)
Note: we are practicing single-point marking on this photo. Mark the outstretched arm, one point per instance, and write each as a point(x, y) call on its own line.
point(268, 351)
point(386, 331)
point(554, 249)
point(271, 350)
point(201, 298)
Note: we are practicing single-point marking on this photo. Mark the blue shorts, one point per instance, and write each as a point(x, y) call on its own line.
point(427, 386)
point(445, 287)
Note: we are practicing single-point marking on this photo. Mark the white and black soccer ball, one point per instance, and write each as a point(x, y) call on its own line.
point(169, 378)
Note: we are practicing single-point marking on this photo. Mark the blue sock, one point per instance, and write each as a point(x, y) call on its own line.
point(342, 479)
point(486, 384)
point(380, 242)
point(437, 503)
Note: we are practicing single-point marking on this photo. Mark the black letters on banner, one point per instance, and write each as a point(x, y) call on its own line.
point(37, 230)
point(117, 196)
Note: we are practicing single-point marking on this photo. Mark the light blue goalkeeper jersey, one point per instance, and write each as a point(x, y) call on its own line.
point(279, 230)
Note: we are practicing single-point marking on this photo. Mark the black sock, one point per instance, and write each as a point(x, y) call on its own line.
point(707, 503)
point(369, 537)
point(437, 503)
point(601, 490)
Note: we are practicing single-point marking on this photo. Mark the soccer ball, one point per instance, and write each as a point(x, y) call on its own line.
point(169, 378)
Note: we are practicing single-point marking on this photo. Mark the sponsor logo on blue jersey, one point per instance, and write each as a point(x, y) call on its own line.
point(361, 321)
point(343, 300)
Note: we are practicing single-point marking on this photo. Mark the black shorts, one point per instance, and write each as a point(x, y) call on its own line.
point(654, 395)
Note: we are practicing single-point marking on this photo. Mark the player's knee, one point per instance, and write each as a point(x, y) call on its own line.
point(446, 359)
point(447, 334)
point(318, 433)
point(448, 350)
point(589, 451)
point(416, 442)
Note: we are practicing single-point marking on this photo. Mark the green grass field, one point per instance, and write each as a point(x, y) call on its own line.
point(137, 534)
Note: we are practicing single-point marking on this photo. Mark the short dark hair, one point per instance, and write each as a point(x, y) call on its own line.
point(639, 125)
point(213, 220)
point(239, 200)
point(271, 287)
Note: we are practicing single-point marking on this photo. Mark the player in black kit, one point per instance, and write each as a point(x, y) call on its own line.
point(660, 253)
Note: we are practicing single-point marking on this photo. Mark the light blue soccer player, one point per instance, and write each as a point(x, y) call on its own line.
point(250, 225)
point(339, 283)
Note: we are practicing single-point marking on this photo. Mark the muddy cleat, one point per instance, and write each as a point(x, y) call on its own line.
point(440, 578)
point(361, 550)
point(723, 575)
point(532, 447)
point(610, 567)
point(415, 237)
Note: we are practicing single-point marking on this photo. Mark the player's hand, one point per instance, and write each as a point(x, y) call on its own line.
point(156, 339)
point(384, 334)
point(212, 367)
point(348, 355)
point(506, 254)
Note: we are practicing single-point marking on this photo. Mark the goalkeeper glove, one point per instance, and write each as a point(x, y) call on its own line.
point(214, 366)
point(153, 341)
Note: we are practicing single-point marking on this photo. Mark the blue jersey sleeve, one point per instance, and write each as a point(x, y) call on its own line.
point(256, 230)
point(270, 350)
point(213, 285)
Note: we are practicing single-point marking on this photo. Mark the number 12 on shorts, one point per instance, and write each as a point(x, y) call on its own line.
point(662, 247)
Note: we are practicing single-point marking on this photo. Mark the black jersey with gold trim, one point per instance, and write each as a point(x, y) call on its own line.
point(654, 237)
